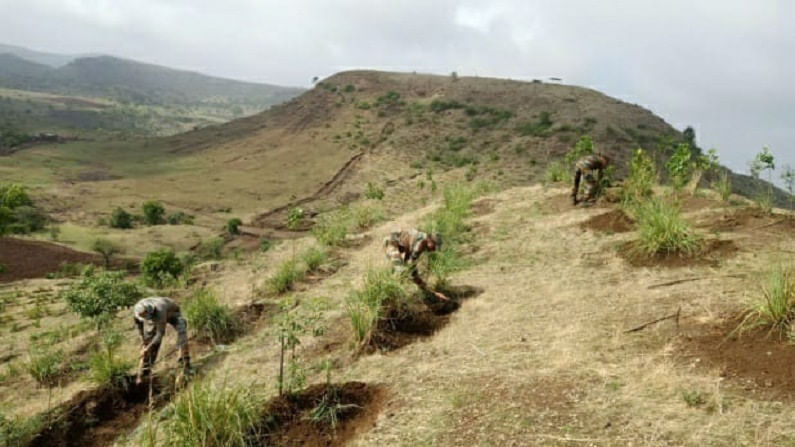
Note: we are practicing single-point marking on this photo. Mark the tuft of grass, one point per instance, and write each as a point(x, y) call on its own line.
point(106, 367)
point(693, 398)
point(723, 185)
point(662, 229)
point(382, 289)
point(365, 216)
point(328, 411)
point(313, 257)
point(18, 431)
point(331, 229)
point(286, 275)
point(45, 366)
point(556, 172)
point(443, 263)
point(209, 318)
point(209, 415)
point(775, 307)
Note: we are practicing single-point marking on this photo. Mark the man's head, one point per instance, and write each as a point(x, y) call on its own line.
point(143, 310)
point(605, 158)
point(434, 242)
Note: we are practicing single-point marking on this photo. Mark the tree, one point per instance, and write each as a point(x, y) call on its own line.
point(788, 175)
point(121, 219)
point(154, 212)
point(106, 249)
point(99, 296)
point(679, 166)
point(160, 266)
point(703, 164)
point(232, 226)
point(764, 161)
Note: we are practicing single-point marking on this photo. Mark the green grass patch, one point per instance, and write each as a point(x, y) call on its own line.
point(286, 275)
point(209, 318)
point(382, 288)
point(775, 304)
point(662, 229)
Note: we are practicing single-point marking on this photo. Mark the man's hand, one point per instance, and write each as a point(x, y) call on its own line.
point(441, 296)
point(144, 350)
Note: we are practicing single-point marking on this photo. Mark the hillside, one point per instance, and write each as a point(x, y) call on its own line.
point(54, 60)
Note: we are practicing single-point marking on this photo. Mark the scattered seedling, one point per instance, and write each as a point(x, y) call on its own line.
point(292, 325)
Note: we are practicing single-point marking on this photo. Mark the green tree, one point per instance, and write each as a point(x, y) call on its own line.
point(161, 266)
point(233, 226)
point(154, 212)
point(788, 176)
point(98, 296)
point(121, 219)
point(764, 161)
point(13, 196)
point(679, 166)
point(106, 249)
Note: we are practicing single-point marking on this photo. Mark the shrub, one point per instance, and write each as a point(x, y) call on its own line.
point(679, 167)
point(121, 219)
point(382, 288)
point(286, 275)
point(294, 218)
point(764, 161)
point(17, 213)
point(373, 192)
point(363, 216)
point(788, 177)
point(45, 366)
point(314, 257)
point(161, 266)
point(106, 367)
point(99, 296)
point(331, 229)
point(209, 318)
point(179, 218)
point(211, 249)
point(723, 185)
point(556, 172)
point(642, 178)
point(106, 249)
point(232, 226)
point(26, 219)
point(536, 128)
point(207, 415)
point(153, 212)
point(775, 307)
point(13, 196)
point(661, 229)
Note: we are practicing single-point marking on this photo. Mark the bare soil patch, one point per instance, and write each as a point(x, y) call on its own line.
point(750, 219)
point(758, 361)
point(615, 221)
point(483, 207)
point(34, 259)
point(97, 417)
point(399, 328)
point(288, 419)
point(712, 252)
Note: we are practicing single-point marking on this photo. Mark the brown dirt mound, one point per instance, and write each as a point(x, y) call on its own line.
point(611, 222)
point(401, 328)
point(758, 361)
point(97, 417)
point(710, 254)
point(288, 421)
point(34, 259)
point(751, 218)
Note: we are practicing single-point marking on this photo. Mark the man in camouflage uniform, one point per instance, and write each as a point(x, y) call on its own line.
point(585, 168)
point(403, 249)
point(151, 316)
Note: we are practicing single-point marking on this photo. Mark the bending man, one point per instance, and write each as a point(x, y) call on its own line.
point(403, 249)
point(151, 316)
point(585, 168)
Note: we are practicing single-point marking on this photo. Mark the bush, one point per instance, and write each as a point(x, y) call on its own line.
point(13, 196)
point(314, 257)
point(679, 167)
point(154, 212)
point(382, 289)
point(45, 366)
point(161, 266)
point(331, 229)
point(776, 307)
point(286, 275)
point(121, 219)
point(232, 226)
point(106, 367)
point(639, 185)
point(206, 415)
point(536, 128)
point(211, 249)
point(179, 218)
point(662, 230)
point(764, 161)
point(373, 192)
point(99, 296)
point(17, 213)
point(294, 218)
point(208, 318)
point(106, 249)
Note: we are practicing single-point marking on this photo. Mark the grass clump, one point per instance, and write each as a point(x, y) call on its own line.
point(286, 275)
point(209, 318)
point(45, 366)
point(775, 307)
point(106, 366)
point(209, 415)
point(331, 229)
point(314, 257)
point(365, 216)
point(382, 289)
point(18, 431)
point(723, 186)
point(662, 229)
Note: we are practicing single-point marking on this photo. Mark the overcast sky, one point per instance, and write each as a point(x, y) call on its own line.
point(726, 67)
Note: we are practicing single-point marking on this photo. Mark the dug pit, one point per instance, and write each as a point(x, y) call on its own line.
point(615, 221)
point(710, 254)
point(322, 415)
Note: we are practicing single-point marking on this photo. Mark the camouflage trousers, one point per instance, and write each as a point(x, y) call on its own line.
point(150, 357)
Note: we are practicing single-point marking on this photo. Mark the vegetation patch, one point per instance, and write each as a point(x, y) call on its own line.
point(209, 318)
point(323, 414)
point(711, 253)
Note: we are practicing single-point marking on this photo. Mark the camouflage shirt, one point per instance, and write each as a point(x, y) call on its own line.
point(403, 247)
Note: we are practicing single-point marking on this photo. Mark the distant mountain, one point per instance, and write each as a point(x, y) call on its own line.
point(129, 81)
point(50, 59)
